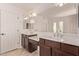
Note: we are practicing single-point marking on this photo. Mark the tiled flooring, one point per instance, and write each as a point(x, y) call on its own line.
point(20, 52)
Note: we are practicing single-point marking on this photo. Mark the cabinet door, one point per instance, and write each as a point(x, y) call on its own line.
point(45, 50)
point(56, 52)
point(70, 49)
point(22, 41)
point(53, 52)
point(26, 43)
point(53, 44)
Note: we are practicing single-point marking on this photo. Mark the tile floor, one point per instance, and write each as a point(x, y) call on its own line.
point(20, 52)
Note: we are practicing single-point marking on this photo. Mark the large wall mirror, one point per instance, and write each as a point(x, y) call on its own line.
point(56, 19)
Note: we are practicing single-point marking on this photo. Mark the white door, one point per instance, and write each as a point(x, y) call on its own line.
point(8, 31)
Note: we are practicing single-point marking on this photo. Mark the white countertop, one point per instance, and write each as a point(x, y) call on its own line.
point(72, 39)
point(65, 39)
point(28, 32)
point(34, 38)
point(50, 38)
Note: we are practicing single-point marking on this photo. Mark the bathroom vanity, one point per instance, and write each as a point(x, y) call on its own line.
point(52, 47)
point(28, 43)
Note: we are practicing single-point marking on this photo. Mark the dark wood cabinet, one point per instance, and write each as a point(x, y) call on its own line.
point(53, 44)
point(32, 45)
point(45, 50)
point(28, 44)
point(56, 52)
point(42, 41)
point(65, 54)
point(70, 49)
point(23, 40)
point(54, 48)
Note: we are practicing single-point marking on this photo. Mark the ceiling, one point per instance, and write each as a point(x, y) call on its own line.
point(43, 8)
point(33, 7)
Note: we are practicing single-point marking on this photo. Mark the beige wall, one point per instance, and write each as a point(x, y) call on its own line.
point(40, 24)
point(70, 24)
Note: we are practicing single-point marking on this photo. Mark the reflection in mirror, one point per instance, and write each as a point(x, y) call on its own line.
point(57, 19)
point(60, 27)
point(54, 27)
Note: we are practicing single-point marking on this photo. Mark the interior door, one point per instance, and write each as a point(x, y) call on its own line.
point(8, 31)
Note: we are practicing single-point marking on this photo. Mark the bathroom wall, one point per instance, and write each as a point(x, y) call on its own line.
point(41, 24)
point(70, 24)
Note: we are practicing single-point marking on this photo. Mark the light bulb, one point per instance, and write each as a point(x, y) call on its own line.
point(61, 4)
point(34, 14)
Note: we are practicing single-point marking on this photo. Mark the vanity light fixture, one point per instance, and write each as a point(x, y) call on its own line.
point(59, 4)
point(34, 14)
point(31, 15)
point(26, 18)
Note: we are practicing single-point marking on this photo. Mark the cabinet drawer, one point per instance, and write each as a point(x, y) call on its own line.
point(71, 49)
point(33, 42)
point(32, 47)
point(53, 44)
